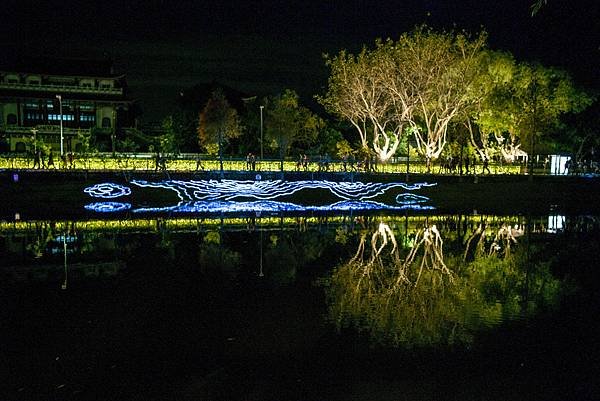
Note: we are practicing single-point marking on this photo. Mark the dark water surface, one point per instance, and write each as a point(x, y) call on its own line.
point(414, 307)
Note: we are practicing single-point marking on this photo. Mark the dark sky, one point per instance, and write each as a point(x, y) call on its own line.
point(264, 46)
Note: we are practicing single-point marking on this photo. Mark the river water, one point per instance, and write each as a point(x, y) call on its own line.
point(393, 306)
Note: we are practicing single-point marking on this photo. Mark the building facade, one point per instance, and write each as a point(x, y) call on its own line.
point(79, 100)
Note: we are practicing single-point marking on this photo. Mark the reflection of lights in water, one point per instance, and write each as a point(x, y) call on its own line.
point(107, 190)
point(108, 207)
point(232, 189)
point(410, 199)
point(556, 223)
point(273, 206)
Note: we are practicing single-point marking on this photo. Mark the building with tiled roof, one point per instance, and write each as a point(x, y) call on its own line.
point(93, 100)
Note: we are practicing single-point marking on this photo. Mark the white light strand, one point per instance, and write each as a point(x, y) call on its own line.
point(266, 206)
point(232, 189)
point(107, 190)
point(108, 207)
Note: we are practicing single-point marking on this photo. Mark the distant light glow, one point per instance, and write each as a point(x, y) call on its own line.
point(558, 164)
point(556, 223)
point(232, 189)
point(108, 207)
point(107, 190)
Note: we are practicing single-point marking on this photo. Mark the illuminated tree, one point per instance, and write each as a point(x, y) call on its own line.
point(288, 122)
point(367, 91)
point(218, 123)
point(422, 81)
point(525, 101)
point(443, 70)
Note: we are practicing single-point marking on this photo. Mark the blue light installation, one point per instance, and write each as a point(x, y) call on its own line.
point(268, 206)
point(212, 196)
point(107, 190)
point(108, 207)
point(232, 189)
point(410, 199)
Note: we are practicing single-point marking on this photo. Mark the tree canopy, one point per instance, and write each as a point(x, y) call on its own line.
point(421, 81)
point(218, 122)
point(288, 122)
point(427, 81)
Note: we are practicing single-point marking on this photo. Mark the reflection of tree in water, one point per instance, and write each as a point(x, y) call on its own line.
point(287, 252)
point(425, 298)
point(395, 298)
point(43, 235)
point(214, 258)
point(489, 240)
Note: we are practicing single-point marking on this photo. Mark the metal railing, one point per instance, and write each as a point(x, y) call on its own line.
point(148, 162)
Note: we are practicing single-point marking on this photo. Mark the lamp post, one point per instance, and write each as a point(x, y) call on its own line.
point(59, 97)
point(34, 131)
point(113, 134)
point(64, 284)
point(261, 132)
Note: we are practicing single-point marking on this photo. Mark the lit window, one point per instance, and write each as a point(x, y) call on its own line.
point(56, 117)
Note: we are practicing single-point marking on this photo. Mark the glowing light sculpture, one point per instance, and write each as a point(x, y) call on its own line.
point(107, 190)
point(410, 199)
point(231, 196)
point(267, 206)
point(232, 189)
point(108, 207)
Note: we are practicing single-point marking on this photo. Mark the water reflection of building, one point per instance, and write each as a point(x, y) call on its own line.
point(47, 251)
point(49, 271)
point(92, 98)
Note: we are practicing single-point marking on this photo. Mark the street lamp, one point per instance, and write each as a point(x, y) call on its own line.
point(113, 134)
point(64, 284)
point(34, 131)
point(59, 97)
point(261, 132)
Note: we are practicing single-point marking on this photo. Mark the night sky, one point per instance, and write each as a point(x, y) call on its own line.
point(263, 46)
